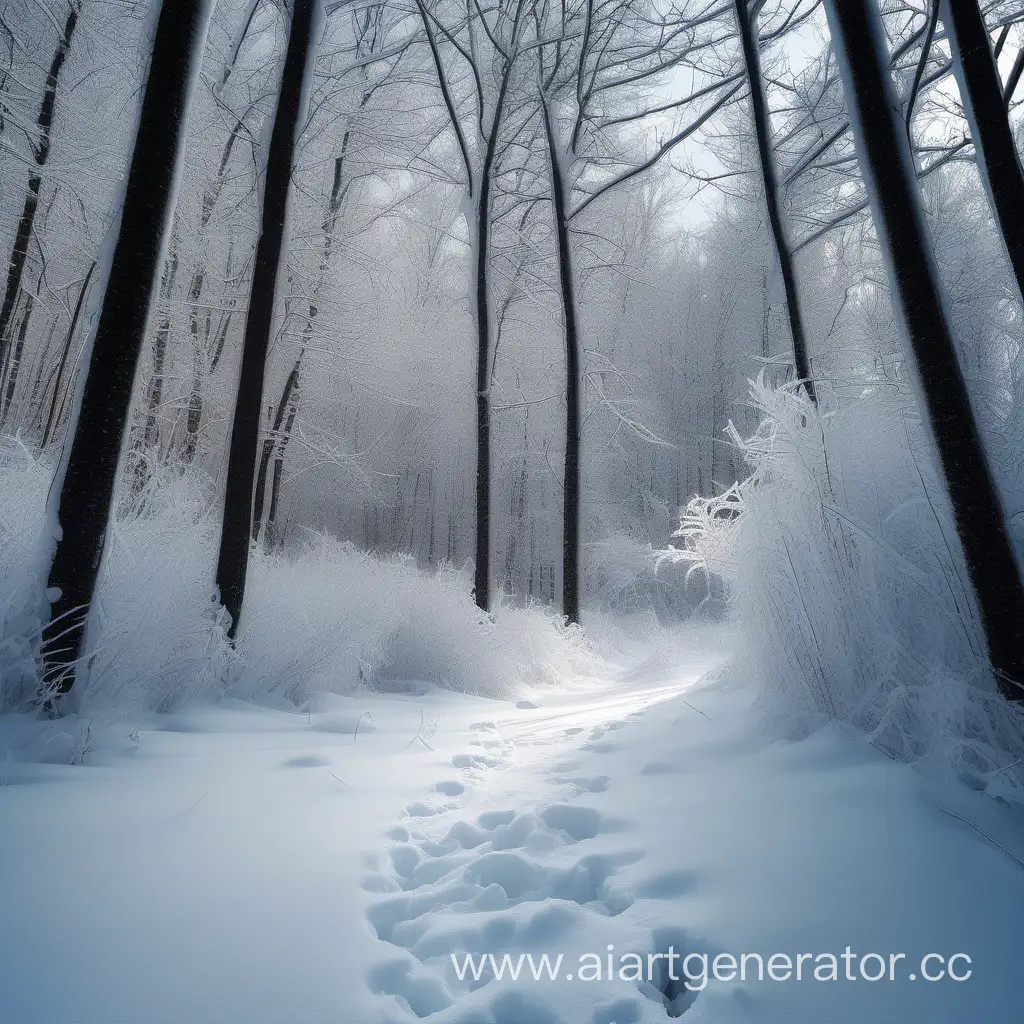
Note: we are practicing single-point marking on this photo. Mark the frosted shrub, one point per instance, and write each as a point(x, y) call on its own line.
point(322, 617)
point(846, 583)
point(332, 618)
point(623, 578)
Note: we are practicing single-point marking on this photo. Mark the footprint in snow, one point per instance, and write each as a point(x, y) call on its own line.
point(456, 895)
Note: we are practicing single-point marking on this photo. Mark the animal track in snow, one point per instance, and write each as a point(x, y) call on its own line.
point(507, 880)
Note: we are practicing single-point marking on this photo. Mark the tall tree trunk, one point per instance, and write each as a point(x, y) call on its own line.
point(85, 489)
point(482, 570)
point(232, 562)
point(746, 21)
point(982, 94)
point(886, 160)
point(573, 391)
point(26, 223)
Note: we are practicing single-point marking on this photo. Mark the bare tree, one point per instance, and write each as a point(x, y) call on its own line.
point(746, 21)
point(232, 561)
point(41, 155)
point(593, 60)
point(487, 51)
point(372, 33)
point(886, 160)
point(985, 104)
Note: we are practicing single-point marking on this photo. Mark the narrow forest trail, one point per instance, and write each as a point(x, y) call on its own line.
point(258, 866)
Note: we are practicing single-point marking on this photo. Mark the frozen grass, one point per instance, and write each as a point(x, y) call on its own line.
point(322, 618)
point(845, 579)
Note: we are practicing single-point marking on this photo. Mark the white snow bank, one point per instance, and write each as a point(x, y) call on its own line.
point(323, 618)
point(249, 867)
point(845, 579)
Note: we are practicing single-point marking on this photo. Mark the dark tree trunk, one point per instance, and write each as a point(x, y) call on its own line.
point(87, 488)
point(573, 395)
point(982, 93)
point(232, 563)
point(884, 154)
point(26, 223)
point(482, 573)
point(762, 129)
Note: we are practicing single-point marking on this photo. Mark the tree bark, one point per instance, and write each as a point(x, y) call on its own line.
point(747, 25)
point(886, 160)
point(232, 562)
point(85, 489)
point(26, 223)
point(982, 94)
point(573, 395)
point(482, 565)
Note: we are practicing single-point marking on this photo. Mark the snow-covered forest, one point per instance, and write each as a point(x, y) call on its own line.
point(418, 392)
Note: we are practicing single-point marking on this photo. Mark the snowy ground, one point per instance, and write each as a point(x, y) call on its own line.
point(251, 865)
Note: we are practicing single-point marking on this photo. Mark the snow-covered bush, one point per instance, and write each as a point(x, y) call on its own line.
point(623, 577)
point(846, 582)
point(332, 618)
point(323, 616)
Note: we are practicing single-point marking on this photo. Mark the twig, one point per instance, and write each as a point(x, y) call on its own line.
point(1012, 857)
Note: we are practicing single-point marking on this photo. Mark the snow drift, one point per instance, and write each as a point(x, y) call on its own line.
point(323, 617)
point(844, 575)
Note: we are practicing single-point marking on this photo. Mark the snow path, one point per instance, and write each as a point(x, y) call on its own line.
point(251, 865)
